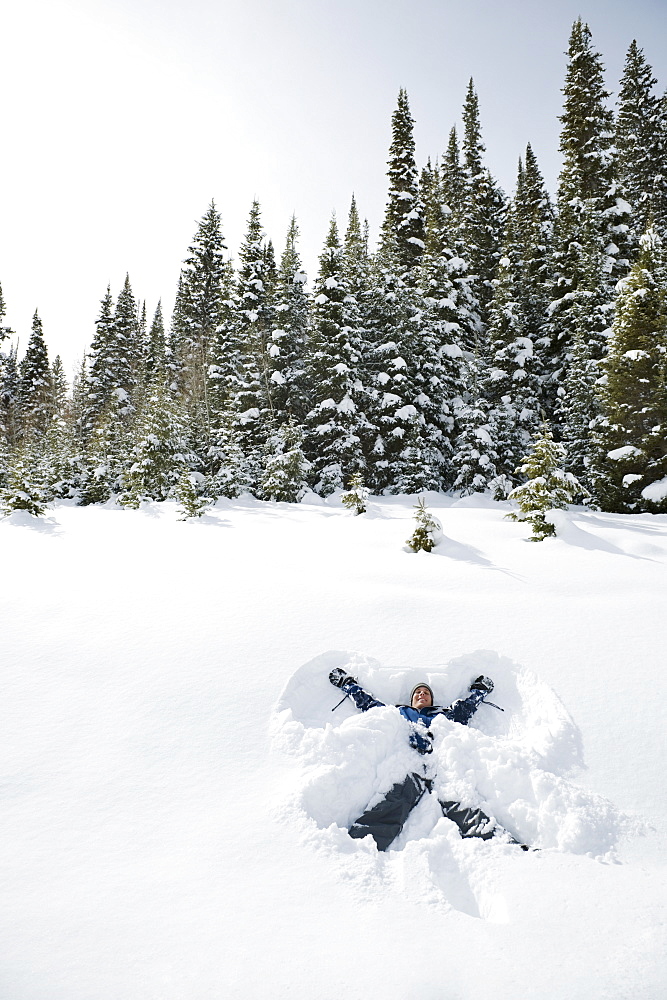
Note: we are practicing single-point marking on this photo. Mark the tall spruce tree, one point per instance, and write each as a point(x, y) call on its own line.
point(201, 356)
point(156, 349)
point(35, 388)
point(593, 217)
point(9, 400)
point(511, 383)
point(485, 206)
point(632, 436)
point(532, 239)
point(449, 324)
point(403, 227)
point(255, 321)
point(289, 338)
point(453, 194)
point(129, 346)
point(101, 368)
point(641, 144)
point(337, 423)
point(160, 455)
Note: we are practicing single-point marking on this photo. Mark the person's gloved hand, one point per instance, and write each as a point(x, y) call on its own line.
point(339, 677)
point(482, 683)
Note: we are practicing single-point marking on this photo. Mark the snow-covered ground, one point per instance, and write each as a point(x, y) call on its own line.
point(175, 785)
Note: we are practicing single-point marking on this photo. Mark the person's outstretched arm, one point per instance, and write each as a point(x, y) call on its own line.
point(463, 709)
point(362, 699)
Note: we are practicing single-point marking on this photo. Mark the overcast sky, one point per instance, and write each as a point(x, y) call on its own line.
point(122, 119)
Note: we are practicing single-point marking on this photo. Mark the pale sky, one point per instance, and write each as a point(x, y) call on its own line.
point(123, 118)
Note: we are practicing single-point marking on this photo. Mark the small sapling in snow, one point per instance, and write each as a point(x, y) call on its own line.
point(193, 504)
point(548, 486)
point(357, 494)
point(427, 531)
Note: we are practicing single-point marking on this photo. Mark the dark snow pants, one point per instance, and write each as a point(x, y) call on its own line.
point(385, 820)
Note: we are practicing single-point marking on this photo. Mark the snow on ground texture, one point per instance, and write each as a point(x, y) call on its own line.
point(175, 787)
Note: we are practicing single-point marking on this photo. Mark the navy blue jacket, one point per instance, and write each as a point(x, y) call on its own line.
point(420, 719)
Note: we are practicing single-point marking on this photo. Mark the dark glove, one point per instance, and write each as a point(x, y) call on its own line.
point(338, 677)
point(482, 683)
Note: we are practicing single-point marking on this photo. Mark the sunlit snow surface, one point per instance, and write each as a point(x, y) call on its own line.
point(176, 789)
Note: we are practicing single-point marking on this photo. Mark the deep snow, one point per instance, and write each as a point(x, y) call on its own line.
point(175, 786)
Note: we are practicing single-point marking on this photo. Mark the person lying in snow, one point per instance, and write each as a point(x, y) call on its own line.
point(385, 820)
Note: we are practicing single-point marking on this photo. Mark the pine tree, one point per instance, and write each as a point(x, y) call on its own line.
point(632, 437)
point(485, 206)
point(60, 402)
point(188, 493)
point(202, 357)
point(427, 530)
point(286, 467)
point(9, 400)
point(511, 384)
point(475, 459)
point(641, 145)
point(532, 239)
point(453, 195)
point(357, 494)
point(107, 456)
point(578, 404)
point(228, 475)
point(129, 348)
point(592, 213)
point(21, 490)
point(255, 322)
point(289, 339)
point(156, 351)
point(403, 226)
point(548, 486)
point(101, 370)
point(448, 326)
point(4, 330)
point(35, 386)
point(160, 453)
point(61, 461)
point(337, 424)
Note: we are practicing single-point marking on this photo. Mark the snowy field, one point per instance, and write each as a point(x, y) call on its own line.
point(175, 786)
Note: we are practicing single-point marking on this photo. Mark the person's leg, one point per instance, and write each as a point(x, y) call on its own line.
point(385, 820)
point(471, 822)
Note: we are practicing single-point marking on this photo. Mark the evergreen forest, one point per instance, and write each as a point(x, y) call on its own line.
point(435, 360)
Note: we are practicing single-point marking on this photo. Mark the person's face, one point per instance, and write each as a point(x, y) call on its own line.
point(422, 698)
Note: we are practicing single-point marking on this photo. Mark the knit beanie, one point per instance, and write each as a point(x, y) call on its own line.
point(422, 685)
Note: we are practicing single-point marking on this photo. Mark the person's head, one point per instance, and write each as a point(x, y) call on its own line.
point(421, 697)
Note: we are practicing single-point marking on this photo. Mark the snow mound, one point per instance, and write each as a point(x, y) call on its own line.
point(516, 764)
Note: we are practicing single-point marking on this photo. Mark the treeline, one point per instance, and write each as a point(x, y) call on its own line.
point(427, 362)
